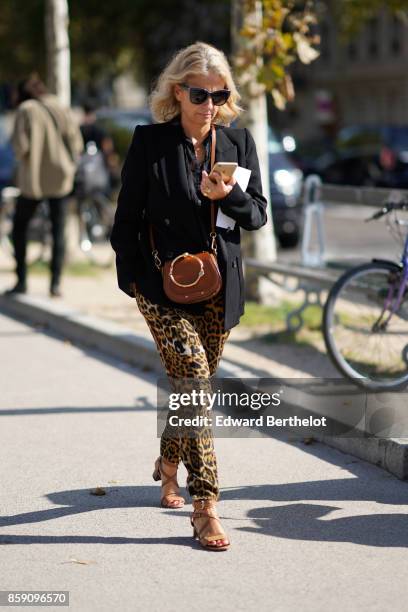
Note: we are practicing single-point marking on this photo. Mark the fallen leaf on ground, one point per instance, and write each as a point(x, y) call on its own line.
point(79, 561)
point(98, 491)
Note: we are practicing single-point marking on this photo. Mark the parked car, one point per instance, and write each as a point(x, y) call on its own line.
point(313, 155)
point(380, 153)
point(285, 183)
point(120, 125)
point(368, 155)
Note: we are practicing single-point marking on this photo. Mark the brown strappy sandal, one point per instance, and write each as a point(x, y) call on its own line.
point(206, 507)
point(169, 500)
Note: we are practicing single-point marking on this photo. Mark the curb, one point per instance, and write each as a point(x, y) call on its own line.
point(391, 454)
point(110, 338)
point(139, 350)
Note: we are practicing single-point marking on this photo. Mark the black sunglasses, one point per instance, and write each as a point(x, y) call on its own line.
point(198, 95)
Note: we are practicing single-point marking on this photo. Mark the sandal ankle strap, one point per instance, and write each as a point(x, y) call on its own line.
point(170, 478)
point(201, 513)
point(201, 504)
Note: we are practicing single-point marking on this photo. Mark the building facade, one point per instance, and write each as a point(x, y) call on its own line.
point(363, 80)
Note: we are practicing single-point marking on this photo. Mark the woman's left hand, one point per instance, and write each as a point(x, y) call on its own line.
point(215, 188)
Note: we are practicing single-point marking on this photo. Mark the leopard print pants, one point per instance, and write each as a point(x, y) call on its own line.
point(190, 347)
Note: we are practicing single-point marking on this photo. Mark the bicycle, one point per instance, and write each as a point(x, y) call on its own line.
point(365, 317)
point(95, 209)
point(95, 221)
point(7, 198)
point(39, 229)
point(94, 212)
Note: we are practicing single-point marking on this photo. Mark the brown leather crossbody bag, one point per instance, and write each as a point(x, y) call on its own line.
point(192, 277)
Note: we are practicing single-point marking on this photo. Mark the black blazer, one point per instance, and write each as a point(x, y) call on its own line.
point(155, 189)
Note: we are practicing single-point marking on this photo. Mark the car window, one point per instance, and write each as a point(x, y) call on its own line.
point(125, 120)
point(357, 137)
point(130, 121)
point(274, 144)
point(397, 138)
point(120, 125)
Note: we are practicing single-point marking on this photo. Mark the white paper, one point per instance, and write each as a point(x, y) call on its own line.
point(242, 176)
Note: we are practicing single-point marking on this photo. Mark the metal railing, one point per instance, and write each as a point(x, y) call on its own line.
point(311, 274)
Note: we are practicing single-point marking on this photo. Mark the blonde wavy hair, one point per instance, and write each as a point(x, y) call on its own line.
point(196, 59)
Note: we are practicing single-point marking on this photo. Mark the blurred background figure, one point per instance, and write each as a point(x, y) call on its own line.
point(47, 143)
point(96, 137)
point(97, 176)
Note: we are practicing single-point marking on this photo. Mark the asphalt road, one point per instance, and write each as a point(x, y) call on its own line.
point(311, 528)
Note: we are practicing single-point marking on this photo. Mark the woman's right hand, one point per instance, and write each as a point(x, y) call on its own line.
point(214, 187)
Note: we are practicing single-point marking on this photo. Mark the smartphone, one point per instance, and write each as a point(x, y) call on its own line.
point(226, 169)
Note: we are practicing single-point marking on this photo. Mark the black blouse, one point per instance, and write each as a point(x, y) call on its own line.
point(194, 172)
point(195, 167)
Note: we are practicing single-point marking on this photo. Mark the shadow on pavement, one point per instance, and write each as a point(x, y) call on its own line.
point(26, 539)
point(142, 404)
point(304, 522)
point(298, 520)
point(77, 501)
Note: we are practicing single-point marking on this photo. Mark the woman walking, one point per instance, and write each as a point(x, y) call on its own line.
point(166, 207)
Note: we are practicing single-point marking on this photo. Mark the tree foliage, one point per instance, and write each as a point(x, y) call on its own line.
point(353, 14)
point(22, 39)
point(110, 37)
point(288, 32)
point(284, 33)
point(168, 25)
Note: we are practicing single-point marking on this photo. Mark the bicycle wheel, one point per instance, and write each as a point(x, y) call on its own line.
point(95, 224)
point(6, 224)
point(38, 243)
point(366, 341)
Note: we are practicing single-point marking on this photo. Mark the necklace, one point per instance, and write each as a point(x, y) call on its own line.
point(199, 150)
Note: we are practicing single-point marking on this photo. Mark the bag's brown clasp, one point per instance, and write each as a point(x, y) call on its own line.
point(199, 275)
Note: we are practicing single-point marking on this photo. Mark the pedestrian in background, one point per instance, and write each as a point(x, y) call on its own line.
point(47, 143)
point(166, 189)
point(91, 131)
point(94, 134)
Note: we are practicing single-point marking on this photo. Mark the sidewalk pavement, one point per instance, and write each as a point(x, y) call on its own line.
point(311, 528)
point(94, 312)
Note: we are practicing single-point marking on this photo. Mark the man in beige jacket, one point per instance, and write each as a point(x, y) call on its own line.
point(47, 143)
